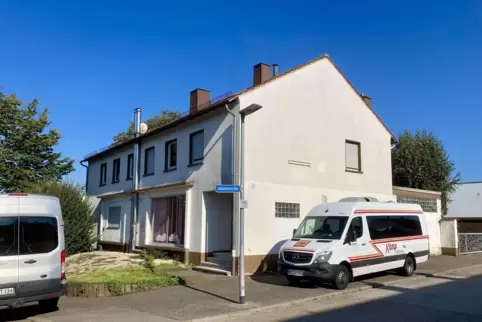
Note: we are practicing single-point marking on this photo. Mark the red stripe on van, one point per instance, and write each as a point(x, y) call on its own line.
point(382, 211)
point(382, 241)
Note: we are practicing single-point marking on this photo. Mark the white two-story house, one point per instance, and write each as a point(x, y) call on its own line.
point(315, 139)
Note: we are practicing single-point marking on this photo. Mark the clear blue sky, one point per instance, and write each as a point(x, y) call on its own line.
point(93, 62)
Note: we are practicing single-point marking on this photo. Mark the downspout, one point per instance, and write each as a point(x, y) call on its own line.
point(135, 180)
point(234, 174)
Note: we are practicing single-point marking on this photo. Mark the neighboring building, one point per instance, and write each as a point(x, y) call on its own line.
point(462, 226)
point(431, 203)
point(315, 140)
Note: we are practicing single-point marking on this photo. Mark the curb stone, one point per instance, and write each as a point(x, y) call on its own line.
point(226, 316)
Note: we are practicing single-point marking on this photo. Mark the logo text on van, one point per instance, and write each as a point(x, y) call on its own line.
point(390, 247)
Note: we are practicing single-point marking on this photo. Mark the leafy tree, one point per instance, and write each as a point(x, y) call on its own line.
point(164, 118)
point(420, 161)
point(27, 146)
point(77, 212)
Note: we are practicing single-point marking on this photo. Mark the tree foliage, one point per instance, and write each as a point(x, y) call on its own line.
point(166, 116)
point(77, 212)
point(420, 161)
point(27, 146)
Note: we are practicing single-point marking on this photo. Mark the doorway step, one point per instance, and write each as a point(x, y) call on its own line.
point(220, 263)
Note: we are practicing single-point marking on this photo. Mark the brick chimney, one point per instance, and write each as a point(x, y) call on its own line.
point(262, 73)
point(199, 99)
point(367, 100)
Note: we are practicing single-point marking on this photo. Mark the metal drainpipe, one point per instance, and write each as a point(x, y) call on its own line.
point(234, 174)
point(135, 178)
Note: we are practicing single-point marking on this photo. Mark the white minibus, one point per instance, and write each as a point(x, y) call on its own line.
point(337, 242)
point(32, 256)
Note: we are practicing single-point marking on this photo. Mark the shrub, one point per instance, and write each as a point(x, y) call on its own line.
point(77, 212)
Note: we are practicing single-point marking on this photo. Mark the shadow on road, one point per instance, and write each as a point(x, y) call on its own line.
point(22, 313)
point(451, 299)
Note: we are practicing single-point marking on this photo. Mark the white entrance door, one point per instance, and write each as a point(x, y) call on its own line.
point(113, 222)
point(360, 252)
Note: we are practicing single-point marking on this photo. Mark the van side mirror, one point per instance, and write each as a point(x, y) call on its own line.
point(294, 232)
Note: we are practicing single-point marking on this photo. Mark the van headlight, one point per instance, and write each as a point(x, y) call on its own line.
point(322, 257)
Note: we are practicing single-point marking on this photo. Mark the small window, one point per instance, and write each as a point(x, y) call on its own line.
point(357, 226)
point(352, 156)
point(381, 227)
point(116, 170)
point(428, 205)
point(149, 159)
point(170, 155)
point(114, 217)
point(287, 210)
point(103, 174)
point(38, 235)
point(8, 236)
point(196, 147)
point(130, 166)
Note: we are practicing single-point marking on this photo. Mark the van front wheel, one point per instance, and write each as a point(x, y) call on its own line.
point(296, 281)
point(341, 277)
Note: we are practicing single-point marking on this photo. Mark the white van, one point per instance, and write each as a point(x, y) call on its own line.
point(32, 256)
point(339, 241)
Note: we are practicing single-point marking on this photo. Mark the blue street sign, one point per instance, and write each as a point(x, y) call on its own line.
point(227, 188)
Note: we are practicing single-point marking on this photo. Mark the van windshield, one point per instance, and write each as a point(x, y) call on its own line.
point(329, 227)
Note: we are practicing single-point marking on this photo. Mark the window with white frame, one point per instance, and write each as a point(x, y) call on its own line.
point(352, 156)
point(116, 170)
point(287, 210)
point(103, 174)
point(114, 217)
point(149, 159)
point(130, 166)
point(196, 147)
point(170, 162)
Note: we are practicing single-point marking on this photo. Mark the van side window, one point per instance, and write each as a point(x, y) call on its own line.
point(38, 235)
point(8, 236)
point(381, 227)
point(357, 226)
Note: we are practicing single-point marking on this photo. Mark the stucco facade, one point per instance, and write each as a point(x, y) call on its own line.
point(295, 152)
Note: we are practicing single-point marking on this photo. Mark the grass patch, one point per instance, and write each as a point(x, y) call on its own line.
point(125, 276)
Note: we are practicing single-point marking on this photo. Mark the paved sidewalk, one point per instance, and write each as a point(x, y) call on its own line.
point(210, 295)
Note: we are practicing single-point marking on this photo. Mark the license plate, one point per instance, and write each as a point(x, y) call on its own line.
point(294, 272)
point(7, 291)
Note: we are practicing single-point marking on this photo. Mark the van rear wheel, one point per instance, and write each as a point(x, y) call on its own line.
point(49, 305)
point(409, 266)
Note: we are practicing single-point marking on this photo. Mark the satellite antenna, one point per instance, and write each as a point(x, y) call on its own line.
point(143, 128)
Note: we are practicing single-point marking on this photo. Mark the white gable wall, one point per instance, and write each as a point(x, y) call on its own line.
point(306, 117)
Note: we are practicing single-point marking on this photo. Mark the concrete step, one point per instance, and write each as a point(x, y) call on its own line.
point(212, 270)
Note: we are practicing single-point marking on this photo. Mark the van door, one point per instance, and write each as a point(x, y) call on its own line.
point(8, 255)
point(359, 252)
point(39, 255)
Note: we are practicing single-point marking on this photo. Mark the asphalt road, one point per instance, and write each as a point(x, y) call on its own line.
point(454, 297)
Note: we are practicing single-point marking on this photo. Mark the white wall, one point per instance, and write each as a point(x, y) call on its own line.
point(432, 220)
point(122, 234)
point(466, 201)
point(216, 167)
point(449, 235)
point(265, 233)
point(307, 116)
